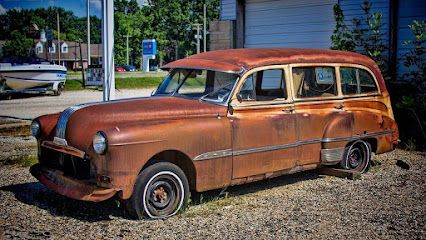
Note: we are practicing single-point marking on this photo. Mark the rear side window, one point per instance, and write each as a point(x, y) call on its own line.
point(357, 81)
point(314, 82)
point(266, 85)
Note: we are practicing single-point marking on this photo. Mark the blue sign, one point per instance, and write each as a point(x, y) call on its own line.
point(149, 47)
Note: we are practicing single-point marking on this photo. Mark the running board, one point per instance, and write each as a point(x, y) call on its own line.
point(341, 173)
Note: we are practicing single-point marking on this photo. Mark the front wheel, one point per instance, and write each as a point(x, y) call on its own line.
point(357, 157)
point(161, 190)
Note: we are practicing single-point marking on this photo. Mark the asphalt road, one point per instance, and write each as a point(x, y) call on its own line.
point(30, 106)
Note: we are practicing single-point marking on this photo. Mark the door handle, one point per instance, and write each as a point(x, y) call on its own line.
point(289, 109)
point(340, 107)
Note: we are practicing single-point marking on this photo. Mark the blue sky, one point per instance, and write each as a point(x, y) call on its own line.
point(77, 6)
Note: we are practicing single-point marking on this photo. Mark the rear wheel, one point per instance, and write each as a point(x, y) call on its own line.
point(161, 190)
point(357, 157)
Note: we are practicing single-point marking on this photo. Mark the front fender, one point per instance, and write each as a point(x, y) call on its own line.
point(131, 146)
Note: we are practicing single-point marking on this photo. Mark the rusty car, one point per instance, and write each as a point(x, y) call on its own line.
point(220, 118)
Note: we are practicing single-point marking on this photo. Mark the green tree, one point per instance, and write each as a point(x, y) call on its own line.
point(341, 38)
point(18, 45)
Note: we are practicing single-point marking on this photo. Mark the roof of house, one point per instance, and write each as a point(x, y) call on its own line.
point(239, 60)
point(74, 51)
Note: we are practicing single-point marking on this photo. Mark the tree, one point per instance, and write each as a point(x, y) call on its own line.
point(18, 45)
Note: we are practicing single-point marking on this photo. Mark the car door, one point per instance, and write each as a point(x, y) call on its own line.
point(263, 124)
point(320, 114)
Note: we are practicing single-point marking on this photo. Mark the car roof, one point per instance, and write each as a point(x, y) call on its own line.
point(242, 59)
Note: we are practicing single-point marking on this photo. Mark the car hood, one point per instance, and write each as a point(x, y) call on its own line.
point(85, 122)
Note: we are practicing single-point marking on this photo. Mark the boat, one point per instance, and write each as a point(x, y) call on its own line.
point(32, 78)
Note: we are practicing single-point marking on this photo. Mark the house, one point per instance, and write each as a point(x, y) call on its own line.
point(69, 53)
point(309, 24)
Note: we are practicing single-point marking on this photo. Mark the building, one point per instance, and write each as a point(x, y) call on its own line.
point(309, 24)
point(69, 53)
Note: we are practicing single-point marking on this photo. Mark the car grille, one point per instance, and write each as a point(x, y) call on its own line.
point(72, 166)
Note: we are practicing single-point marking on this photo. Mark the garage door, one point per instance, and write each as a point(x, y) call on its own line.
point(283, 23)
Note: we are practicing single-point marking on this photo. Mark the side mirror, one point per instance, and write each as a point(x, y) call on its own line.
point(239, 98)
point(153, 92)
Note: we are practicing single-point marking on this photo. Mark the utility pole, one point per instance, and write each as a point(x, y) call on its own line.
point(81, 63)
point(198, 36)
point(88, 33)
point(127, 49)
point(204, 27)
point(108, 49)
point(59, 39)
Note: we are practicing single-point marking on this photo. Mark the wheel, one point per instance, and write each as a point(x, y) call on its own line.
point(161, 190)
point(59, 90)
point(357, 157)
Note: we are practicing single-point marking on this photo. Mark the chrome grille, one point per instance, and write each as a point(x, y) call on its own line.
point(61, 126)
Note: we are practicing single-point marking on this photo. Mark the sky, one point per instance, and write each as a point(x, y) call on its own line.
point(77, 6)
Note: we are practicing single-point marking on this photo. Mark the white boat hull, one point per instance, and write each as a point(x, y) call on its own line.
point(33, 76)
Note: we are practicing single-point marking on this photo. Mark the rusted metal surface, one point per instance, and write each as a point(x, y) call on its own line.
point(64, 149)
point(217, 146)
point(58, 182)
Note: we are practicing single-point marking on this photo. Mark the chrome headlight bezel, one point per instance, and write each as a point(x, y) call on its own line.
point(35, 129)
point(100, 143)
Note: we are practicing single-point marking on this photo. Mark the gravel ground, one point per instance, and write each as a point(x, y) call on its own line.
point(29, 106)
point(386, 203)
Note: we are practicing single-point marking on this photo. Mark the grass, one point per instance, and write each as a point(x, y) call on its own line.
point(120, 83)
point(23, 160)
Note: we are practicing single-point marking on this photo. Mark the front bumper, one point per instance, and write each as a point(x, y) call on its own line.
point(70, 187)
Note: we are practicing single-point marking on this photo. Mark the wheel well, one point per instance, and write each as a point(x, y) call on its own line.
point(371, 141)
point(179, 159)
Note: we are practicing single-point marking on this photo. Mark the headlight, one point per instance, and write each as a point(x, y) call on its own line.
point(35, 129)
point(100, 143)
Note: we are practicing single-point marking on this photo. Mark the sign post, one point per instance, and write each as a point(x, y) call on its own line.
point(108, 49)
point(149, 50)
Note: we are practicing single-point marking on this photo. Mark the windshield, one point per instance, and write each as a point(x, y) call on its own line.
point(205, 85)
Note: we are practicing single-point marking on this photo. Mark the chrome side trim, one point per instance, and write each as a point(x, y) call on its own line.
point(228, 152)
point(214, 154)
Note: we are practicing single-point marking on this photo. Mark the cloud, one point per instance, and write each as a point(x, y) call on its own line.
point(2, 10)
point(97, 4)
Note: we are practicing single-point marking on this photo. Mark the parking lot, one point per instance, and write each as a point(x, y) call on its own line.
point(386, 203)
point(30, 106)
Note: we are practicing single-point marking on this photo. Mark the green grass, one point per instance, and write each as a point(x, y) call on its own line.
point(120, 83)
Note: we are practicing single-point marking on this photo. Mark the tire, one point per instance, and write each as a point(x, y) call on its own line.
point(161, 190)
point(357, 157)
point(59, 90)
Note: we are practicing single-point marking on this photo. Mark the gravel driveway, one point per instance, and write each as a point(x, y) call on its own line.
point(30, 106)
point(386, 203)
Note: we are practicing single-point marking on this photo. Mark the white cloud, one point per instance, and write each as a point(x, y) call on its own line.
point(2, 10)
point(97, 4)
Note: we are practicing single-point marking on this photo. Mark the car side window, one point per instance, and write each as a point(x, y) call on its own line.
point(348, 76)
point(356, 81)
point(314, 82)
point(366, 82)
point(265, 85)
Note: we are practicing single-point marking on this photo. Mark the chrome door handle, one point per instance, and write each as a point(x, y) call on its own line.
point(340, 106)
point(289, 109)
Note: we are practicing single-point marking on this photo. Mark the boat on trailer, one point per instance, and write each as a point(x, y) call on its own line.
point(32, 78)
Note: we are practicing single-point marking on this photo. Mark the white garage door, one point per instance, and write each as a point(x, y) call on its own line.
point(284, 23)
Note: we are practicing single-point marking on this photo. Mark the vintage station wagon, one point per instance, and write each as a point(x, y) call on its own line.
point(218, 119)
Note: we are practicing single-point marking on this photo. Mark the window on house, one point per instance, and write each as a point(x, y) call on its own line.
point(39, 49)
point(314, 82)
point(356, 81)
point(64, 48)
point(266, 85)
point(52, 49)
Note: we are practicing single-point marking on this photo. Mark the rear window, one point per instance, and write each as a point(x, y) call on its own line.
point(357, 81)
